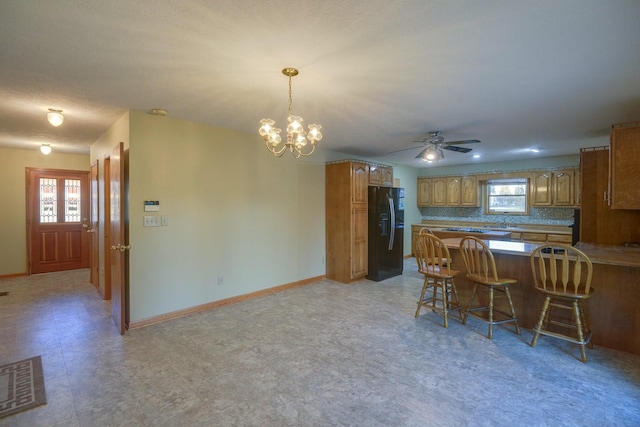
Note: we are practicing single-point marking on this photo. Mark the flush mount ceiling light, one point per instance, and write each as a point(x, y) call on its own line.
point(55, 117)
point(45, 149)
point(296, 136)
point(158, 112)
point(431, 153)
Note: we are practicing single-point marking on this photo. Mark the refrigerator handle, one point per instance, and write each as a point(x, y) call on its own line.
point(393, 222)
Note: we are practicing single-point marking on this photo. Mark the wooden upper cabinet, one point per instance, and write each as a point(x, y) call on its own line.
point(387, 176)
point(425, 190)
point(381, 175)
point(541, 188)
point(454, 186)
point(624, 166)
point(563, 188)
point(359, 182)
point(470, 191)
point(448, 191)
point(553, 188)
point(439, 194)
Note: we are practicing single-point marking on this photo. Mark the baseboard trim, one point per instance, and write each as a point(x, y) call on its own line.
point(11, 276)
point(214, 304)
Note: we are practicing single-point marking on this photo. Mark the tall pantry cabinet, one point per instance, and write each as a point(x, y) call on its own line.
point(346, 192)
point(599, 223)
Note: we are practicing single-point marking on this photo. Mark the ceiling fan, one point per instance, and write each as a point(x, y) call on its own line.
point(434, 144)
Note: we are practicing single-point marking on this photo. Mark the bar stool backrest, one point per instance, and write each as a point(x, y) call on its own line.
point(432, 255)
point(478, 259)
point(561, 269)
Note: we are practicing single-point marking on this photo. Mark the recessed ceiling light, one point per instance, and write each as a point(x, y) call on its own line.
point(476, 156)
point(534, 150)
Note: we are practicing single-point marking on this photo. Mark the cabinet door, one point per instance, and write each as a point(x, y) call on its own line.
point(359, 182)
point(425, 190)
point(453, 191)
point(375, 175)
point(469, 191)
point(563, 188)
point(598, 222)
point(439, 195)
point(541, 188)
point(387, 176)
point(624, 167)
point(359, 248)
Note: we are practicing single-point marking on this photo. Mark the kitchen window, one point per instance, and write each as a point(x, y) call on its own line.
point(507, 196)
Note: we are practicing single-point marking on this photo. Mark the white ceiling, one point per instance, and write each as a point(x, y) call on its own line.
point(377, 74)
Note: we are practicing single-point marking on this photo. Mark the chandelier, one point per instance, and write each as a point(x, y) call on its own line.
point(297, 139)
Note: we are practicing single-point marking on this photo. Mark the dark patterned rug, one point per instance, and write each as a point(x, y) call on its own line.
point(21, 386)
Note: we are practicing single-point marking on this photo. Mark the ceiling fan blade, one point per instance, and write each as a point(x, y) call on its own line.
point(467, 141)
point(454, 148)
point(406, 149)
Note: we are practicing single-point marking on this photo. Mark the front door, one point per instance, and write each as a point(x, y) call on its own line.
point(57, 220)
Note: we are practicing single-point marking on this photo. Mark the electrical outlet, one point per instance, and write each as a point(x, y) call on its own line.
point(220, 279)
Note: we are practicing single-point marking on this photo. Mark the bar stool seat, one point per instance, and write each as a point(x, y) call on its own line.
point(481, 269)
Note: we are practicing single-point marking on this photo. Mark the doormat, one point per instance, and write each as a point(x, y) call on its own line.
point(21, 386)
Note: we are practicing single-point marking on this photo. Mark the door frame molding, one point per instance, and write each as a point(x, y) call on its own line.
point(29, 210)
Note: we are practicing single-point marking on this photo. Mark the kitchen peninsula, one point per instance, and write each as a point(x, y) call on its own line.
point(613, 309)
point(535, 233)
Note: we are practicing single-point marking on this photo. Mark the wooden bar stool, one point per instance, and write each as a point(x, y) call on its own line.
point(438, 290)
point(563, 274)
point(481, 269)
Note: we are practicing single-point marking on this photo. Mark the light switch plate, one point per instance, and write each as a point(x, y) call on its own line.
point(151, 221)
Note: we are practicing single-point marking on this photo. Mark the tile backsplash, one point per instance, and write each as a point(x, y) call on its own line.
point(555, 216)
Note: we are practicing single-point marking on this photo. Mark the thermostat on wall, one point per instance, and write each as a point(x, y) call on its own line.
point(151, 206)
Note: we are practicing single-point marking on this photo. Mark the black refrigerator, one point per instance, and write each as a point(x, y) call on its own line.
point(386, 231)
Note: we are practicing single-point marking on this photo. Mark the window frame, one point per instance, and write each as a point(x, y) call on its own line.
point(503, 181)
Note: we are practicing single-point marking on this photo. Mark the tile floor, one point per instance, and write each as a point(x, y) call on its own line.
point(324, 354)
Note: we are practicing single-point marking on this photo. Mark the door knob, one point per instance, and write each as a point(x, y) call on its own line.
point(91, 231)
point(123, 247)
point(85, 225)
point(115, 248)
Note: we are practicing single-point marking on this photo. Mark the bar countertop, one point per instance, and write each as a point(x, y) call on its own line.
point(599, 254)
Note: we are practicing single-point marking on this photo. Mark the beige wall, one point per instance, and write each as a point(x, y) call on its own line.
point(13, 241)
point(233, 209)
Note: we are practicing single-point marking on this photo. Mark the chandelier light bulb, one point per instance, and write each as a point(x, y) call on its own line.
point(55, 117)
